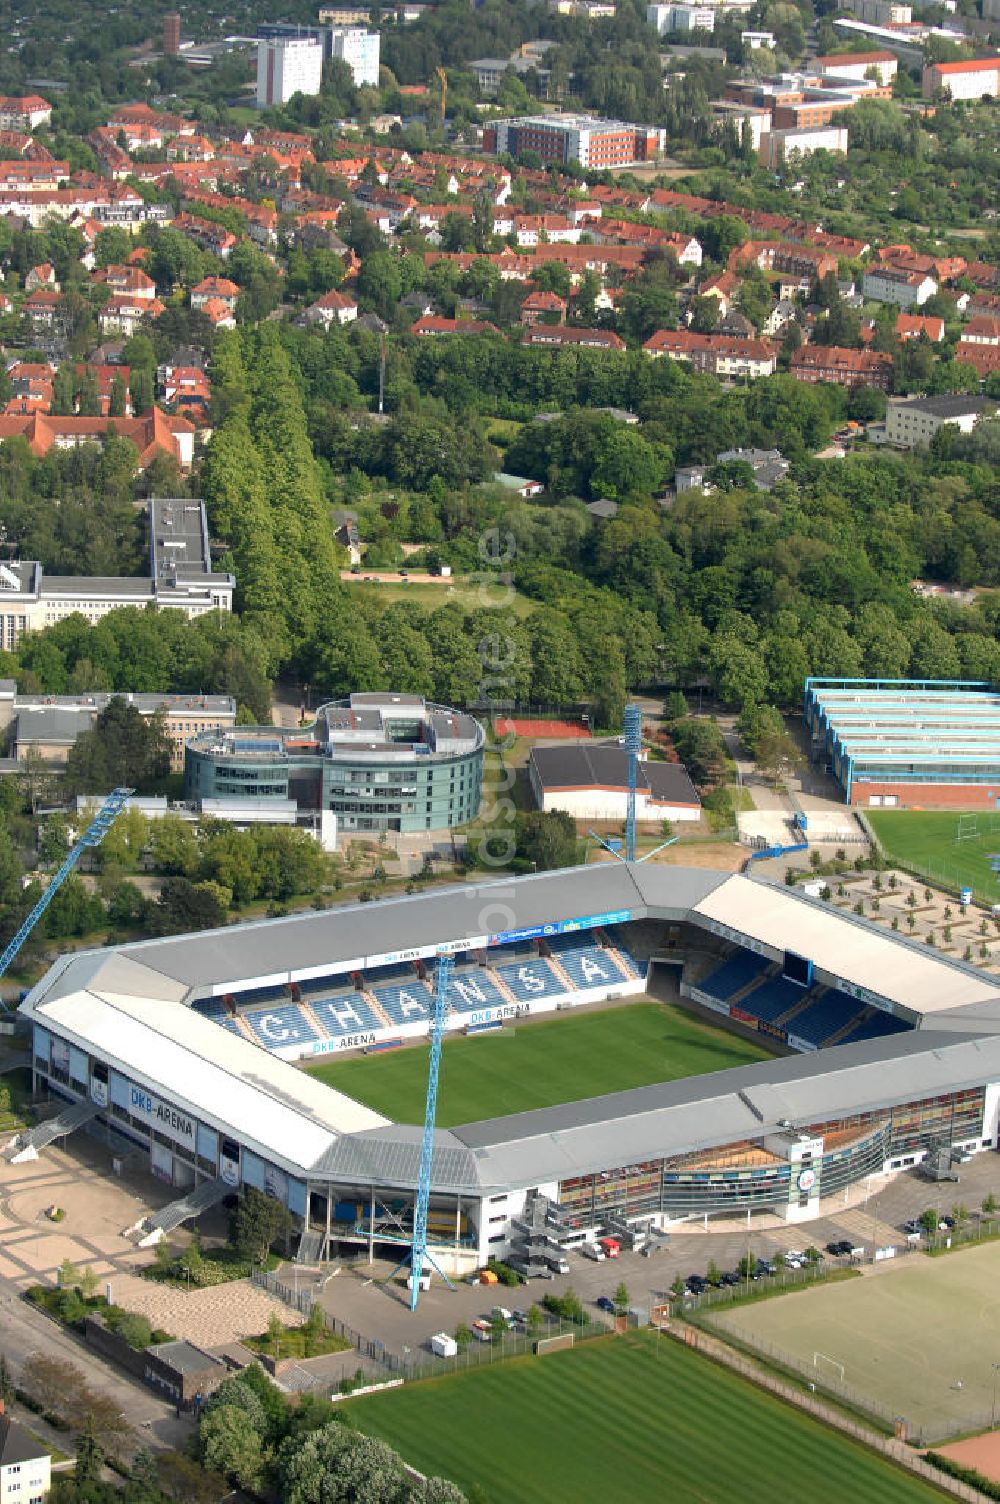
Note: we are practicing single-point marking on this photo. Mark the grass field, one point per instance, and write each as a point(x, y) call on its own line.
point(906, 1336)
point(925, 843)
point(470, 596)
point(540, 1064)
point(621, 1418)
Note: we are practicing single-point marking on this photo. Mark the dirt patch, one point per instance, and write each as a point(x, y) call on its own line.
point(980, 1452)
point(564, 730)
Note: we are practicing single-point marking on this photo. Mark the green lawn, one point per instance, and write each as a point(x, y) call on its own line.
point(541, 1064)
point(460, 592)
point(926, 843)
point(625, 1418)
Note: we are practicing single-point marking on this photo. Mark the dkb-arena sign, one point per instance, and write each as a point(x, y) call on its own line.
point(163, 1117)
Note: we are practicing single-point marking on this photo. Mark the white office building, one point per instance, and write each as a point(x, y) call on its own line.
point(287, 66)
point(667, 18)
point(359, 49)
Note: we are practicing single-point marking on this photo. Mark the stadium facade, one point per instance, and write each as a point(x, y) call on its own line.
point(379, 762)
point(183, 1049)
point(934, 744)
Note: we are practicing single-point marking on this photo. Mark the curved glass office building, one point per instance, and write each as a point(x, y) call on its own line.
point(379, 762)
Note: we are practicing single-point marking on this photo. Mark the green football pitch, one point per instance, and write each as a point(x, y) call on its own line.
point(940, 846)
point(540, 1064)
point(633, 1417)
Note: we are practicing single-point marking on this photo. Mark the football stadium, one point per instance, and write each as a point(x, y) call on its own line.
point(190, 1050)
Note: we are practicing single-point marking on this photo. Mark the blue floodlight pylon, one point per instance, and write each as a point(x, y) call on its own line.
point(633, 746)
point(417, 1255)
point(92, 836)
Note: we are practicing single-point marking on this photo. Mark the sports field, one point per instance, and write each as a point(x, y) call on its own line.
point(918, 1338)
point(953, 849)
point(539, 1064)
point(634, 1417)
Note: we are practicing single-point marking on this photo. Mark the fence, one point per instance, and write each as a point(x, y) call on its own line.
point(424, 1365)
point(895, 1449)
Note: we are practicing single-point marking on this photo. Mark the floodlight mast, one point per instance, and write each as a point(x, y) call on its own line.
point(418, 1253)
point(92, 836)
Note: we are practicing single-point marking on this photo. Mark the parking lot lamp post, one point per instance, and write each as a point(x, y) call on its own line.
point(993, 1413)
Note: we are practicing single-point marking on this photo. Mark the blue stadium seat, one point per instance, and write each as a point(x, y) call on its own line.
point(531, 979)
point(733, 975)
point(587, 965)
point(407, 1002)
point(471, 987)
point(259, 995)
point(342, 1013)
point(876, 1027)
point(280, 1026)
point(211, 1007)
point(401, 971)
point(771, 998)
point(619, 941)
point(823, 1017)
point(232, 1026)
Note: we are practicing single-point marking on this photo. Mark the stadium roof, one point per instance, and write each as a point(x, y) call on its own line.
point(110, 1005)
point(339, 940)
point(673, 1117)
point(858, 953)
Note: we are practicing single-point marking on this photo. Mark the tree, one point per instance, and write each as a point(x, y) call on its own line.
point(989, 1205)
point(437, 1491)
point(336, 1465)
point(123, 748)
point(547, 840)
point(89, 1457)
point(229, 1443)
point(621, 1297)
point(777, 754)
point(929, 1220)
point(257, 1222)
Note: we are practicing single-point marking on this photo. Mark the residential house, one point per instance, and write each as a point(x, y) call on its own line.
point(124, 315)
point(333, 307)
point(40, 276)
point(850, 368)
point(547, 307)
point(913, 325)
point(219, 289)
point(25, 1465)
point(431, 325)
point(895, 284)
point(719, 354)
point(558, 336)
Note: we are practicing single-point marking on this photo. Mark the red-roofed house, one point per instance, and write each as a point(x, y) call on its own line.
point(218, 313)
point(979, 79)
point(123, 315)
point(334, 307)
point(913, 325)
point(560, 337)
point(151, 432)
point(431, 325)
point(24, 112)
point(850, 368)
point(720, 354)
point(43, 275)
point(547, 306)
point(41, 307)
point(984, 329)
point(128, 282)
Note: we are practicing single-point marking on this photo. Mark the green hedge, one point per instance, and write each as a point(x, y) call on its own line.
point(967, 1475)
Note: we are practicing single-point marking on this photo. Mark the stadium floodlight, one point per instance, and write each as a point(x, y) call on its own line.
point(633, 746)
point(92, 836)
point(417, 1255)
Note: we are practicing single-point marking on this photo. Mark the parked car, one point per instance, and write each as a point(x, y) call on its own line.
point(729, 1278)
point(592, 1251)
point(605, 1303)
point(913, 1225)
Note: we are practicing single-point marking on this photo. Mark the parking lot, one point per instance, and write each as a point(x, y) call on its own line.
point(360, 1295)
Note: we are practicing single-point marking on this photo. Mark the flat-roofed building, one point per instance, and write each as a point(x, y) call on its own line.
point(890, 743)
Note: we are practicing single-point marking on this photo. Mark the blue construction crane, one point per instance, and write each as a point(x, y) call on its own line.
point(417, 1255)
point(92, 836)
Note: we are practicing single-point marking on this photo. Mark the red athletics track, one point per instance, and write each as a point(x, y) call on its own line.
point(564, 730)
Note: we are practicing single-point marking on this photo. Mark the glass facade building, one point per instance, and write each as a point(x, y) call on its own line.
point(379, 762)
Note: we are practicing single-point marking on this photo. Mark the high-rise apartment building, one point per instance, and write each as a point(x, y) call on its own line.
point(287, 66)
point(359, 49)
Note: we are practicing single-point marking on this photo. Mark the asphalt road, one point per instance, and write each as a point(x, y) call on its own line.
point(24, 1331)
